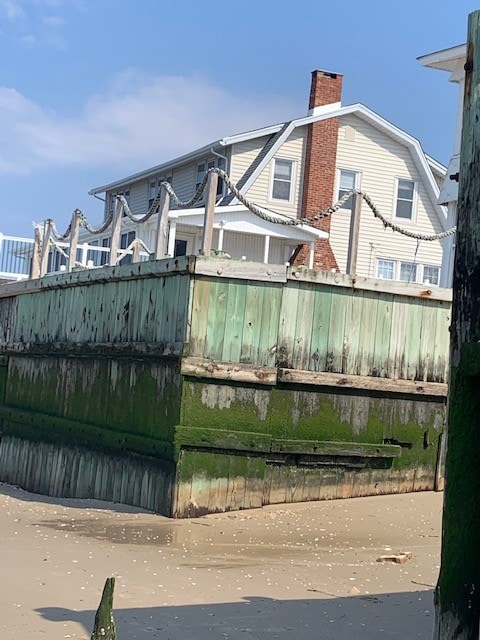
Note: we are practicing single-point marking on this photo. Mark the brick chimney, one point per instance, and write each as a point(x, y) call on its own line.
point(320, 164)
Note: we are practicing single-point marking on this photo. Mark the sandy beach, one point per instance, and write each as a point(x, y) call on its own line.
point(305, 571)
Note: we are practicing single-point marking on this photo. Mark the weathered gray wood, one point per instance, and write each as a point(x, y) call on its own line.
point(104, 627)
point(240, 269)
point(154, 268)
point(212, 183)
point(161, 241)
point(338, 380)
point(302, 274)
point(35, 267)
point(74, 230)
point(353, 237)
point(205, 368)
point(457, 596)
point(116, 232)
point(47, 231)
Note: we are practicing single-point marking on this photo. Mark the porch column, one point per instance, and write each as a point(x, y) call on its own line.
point(266, 249)
point(220, 236)
point(311, 255)
point(171, 238)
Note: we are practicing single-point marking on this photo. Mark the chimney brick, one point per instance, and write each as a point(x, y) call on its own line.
point(320, 165)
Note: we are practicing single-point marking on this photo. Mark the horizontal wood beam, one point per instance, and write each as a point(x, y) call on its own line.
point(302, 274)
point(240, 269)
point(147, 269)
point(327, 448)
point(94, 349)
point(205, 368)
point(367, 383)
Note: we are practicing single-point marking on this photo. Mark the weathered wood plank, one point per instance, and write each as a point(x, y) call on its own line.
point(389, 385)
point(234, 322)
point(206, 368)
point(302, 274)
point(240, 269)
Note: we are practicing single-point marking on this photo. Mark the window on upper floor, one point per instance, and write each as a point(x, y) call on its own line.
point(405, 202)
point(347, 180)
point(154, 186)
point(113, 199)
point(203, 167)
point(282, 179)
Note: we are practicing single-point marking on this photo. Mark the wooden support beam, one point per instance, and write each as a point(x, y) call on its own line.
point(47, 231)
point(209, 213)
point(367, 383)
point(116, 232)
point(161, 243)
point(74, 230)
point(353, 236)
point(457, 596)
point(36, 257)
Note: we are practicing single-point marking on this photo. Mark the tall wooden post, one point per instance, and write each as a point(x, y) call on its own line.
point(161, 244)
point(353, 236)
point(209, 213)
point(457, 596)
point(47, 230)
point(74, 230)
point(36, 256)
point(116, 232)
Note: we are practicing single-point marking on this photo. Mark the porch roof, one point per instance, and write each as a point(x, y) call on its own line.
point(237, 218)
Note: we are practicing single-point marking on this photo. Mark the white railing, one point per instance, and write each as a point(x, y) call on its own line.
point(16, 255)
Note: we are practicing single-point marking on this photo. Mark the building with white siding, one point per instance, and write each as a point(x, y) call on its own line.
point(297, 169)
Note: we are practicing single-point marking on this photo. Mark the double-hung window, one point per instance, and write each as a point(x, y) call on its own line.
point(404, 207)
point(281, 188)
point(408, 272)
point(347, 181)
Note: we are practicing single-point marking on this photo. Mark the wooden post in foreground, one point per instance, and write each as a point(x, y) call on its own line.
point(457, 596)
point(74, 231)
point(36, 256)
point(47, 230)
point(116, 232)
point(104, 627)
point(161, 244)
point(209, 213)
point(354, 235)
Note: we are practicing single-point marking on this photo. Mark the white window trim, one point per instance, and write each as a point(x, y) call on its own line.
point(413, 219)
point(396, 270)
point(292, 180)
point(358, 181)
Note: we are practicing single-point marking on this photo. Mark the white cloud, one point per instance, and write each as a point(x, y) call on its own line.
point(12, 9)
point(140, 121)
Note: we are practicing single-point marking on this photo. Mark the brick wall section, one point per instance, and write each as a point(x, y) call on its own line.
point(320, 166)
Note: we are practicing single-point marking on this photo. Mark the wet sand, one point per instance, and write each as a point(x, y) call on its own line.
point(304, 571)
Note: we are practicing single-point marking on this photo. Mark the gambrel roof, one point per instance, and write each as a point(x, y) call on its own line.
point(279, 133)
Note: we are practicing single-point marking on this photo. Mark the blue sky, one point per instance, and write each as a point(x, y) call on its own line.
point(94, 90)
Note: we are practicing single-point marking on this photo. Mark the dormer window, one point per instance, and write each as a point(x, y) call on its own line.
point(282, 180)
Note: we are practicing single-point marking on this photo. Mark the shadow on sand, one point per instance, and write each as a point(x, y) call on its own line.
point(406, 616)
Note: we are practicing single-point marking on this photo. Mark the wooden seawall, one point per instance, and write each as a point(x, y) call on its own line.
point(195, 385)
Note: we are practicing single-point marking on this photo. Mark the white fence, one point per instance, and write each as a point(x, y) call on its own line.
point(16, 255)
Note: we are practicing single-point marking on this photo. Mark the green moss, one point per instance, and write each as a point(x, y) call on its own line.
point(41, 427)
point(221, 439)
point(116, 394)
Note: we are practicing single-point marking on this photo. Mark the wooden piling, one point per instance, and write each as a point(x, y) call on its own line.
point(457, 596)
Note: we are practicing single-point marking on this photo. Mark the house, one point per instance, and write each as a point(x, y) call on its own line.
point(451, 60)
point(297, 169)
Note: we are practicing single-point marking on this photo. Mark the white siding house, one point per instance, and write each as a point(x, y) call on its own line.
point(269, 166)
